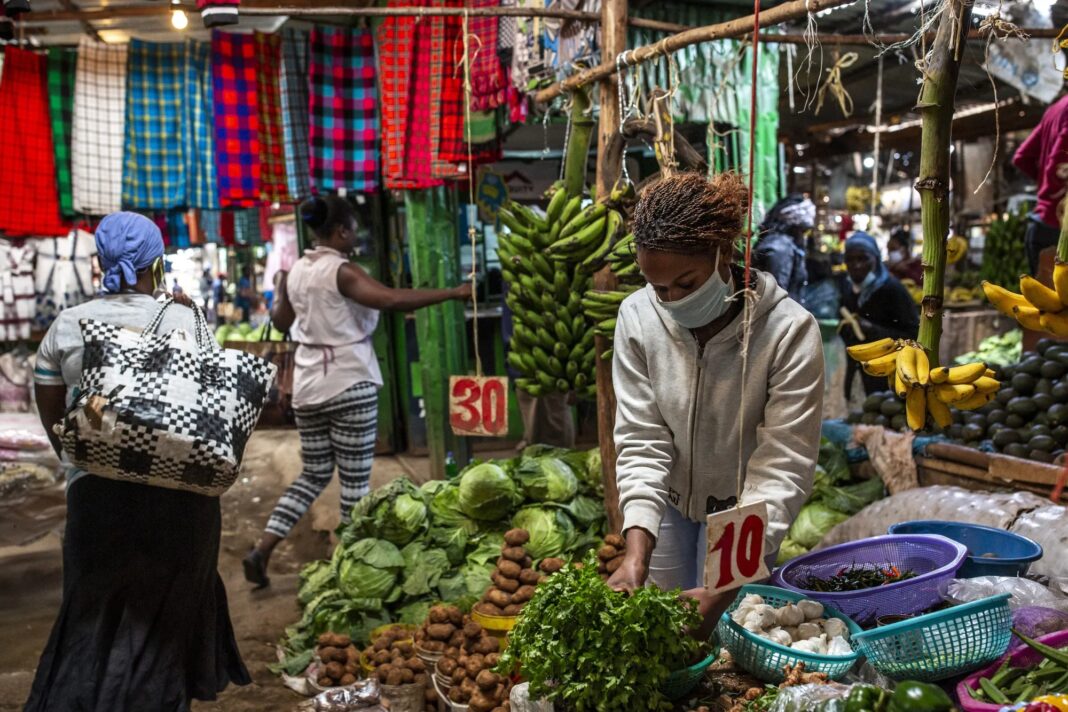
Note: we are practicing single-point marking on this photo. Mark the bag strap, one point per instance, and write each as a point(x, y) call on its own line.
point(153, 326)
point(266, 335)
point(204, 339)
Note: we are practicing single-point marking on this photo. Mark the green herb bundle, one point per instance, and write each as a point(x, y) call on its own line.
point(590, 648)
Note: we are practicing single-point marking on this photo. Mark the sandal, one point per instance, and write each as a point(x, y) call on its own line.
point(256, 569)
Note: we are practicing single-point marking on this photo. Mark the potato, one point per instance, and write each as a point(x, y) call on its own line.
point(607, 552)
point(381, 644)
point(527, 562)
point(381, 657)
point(551, 565)
point(488, 645)
point(469, 687)
point(498, 597)
point(431, 697)
point(342, 641)
point(446, 666)
point(421, 678)
point(415, 665)
point(602, 569)
point(326, 639)
point(382, 673)
point(516, 537)
point(456, 639)
point(406, 649)
point(509, 569)
point(473, 667)
point(492, 659)
point(615, 540)
point(352, 654)
point(514, 553)
point(438, 614)
point(613, 565)
point(327, 653)
point(352, 668)
point(508, 585)
point(487, 680)
point(528, 577)
point(335, 670)
point(434, 646)
point(512, 609)
point(456, 695)
point(395, 677)
point(490, 609)
point(456, 616)
point(324, 681)
point(348, 679)
point(524, 594)
point(458, 675)
point(481, 703)
point(472, 629)
point(406, 676)
point(543, 579)
point(440, 631)
point(453, 652)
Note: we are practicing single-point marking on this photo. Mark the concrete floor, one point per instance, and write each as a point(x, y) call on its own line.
point(30, 570)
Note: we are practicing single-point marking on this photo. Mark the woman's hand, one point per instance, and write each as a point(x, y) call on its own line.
point(630, 575)
point(182, 298)
point(711, 607)
point(462, 292)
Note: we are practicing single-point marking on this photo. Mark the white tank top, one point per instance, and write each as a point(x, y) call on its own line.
point(333, 332)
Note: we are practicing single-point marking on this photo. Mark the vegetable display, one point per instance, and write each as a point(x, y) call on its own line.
point(393, 661)
point(800, 626)
point(513, 578)
point(406, 548)
point(856, 578)
point(339, 658)
point(624, 649)
point(1011, 685)
point(1004, 252)
point(466, 668)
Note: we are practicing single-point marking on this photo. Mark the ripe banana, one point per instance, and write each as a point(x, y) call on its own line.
point(954, 394)
point(916, 408)
point(1029, 317)
point(1056, 324)
point(872, 350)
point(976, 400)
point(1004, 300)
point(958, 375)
point(1039, 295)
point(986, 385)
point(956, 248)
point(882, 366)
point(939, 411)
point(906, 366)
point(1060, 280)
point(923, 366)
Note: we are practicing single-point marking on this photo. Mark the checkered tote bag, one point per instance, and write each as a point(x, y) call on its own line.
point(172, 410)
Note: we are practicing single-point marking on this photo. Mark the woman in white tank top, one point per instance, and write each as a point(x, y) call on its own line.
point(330, 307)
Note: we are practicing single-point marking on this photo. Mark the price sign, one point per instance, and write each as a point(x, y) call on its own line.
point(735, 554)
point(478, 405)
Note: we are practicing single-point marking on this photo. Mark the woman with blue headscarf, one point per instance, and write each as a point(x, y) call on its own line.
point(882, 305)
point(144, 623)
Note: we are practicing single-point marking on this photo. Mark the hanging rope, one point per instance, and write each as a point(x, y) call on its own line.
point(471, 233)
point(878, 137)
point(833, 84)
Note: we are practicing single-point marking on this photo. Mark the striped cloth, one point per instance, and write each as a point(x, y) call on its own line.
point(422, 116)
point(343, 110)
point(99, 127)
point(198, 140)
point(273, 188)
point(237, 123)
point(446, 88)
point(61, 65)
point(294, 89)
point(153, 176)
point(396, 37)
point(29, 204)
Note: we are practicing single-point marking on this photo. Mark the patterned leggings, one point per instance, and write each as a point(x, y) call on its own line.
point(341, 431)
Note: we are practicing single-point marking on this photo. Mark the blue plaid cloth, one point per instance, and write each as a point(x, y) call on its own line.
point(294, 91)
point(210, 226)
point(197, 136)
point(153, 175)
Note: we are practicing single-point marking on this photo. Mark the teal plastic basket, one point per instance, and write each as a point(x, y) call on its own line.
point(764, 659)
point(943, 644)
point(681, 682)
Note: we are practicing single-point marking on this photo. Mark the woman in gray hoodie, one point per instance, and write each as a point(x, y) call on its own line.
point(696, 416)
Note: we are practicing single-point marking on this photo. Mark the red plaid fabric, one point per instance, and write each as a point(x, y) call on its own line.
point(273, 184)
point(237, 121)
point(29, 198)
point(418, 156)
point(489, 83)
point(447, 143)
point(395, 38)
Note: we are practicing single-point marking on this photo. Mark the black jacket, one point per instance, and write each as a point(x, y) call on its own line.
point(889, 312)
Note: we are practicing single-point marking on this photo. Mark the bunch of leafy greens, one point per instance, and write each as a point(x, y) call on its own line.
point(396, 513)
point(590, 648)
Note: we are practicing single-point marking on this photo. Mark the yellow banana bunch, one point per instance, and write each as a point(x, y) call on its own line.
point(956, 248)
point(926, 390)
point(1036, 307)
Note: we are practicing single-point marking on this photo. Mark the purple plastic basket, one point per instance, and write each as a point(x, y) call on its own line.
point(934, 558)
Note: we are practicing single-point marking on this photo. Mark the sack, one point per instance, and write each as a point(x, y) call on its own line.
point(278, 408)
point(172, 410)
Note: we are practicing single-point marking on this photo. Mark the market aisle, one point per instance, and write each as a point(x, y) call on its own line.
point(30, 576)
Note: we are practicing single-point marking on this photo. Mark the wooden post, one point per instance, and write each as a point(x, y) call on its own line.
point(613, 41)
point(936, 112)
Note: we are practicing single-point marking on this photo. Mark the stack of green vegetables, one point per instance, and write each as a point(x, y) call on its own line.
point(406, 548)
point(836, 496)
point(1004, 253)
point(1010, 684)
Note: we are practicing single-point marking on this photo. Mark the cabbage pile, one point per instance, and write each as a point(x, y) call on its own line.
point(406, 548)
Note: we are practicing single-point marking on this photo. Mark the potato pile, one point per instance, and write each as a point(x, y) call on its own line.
point(393, 655)
point(611, 554)
point(441, 630)
point(340, 658)
point(468, 668)
point(514, 578)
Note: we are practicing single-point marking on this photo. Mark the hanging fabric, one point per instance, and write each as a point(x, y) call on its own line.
point(99, 127)
point(343, 110)
point(396, 43)
point(295, 102)
point(63, 275)
point(422, 111)
point(246, 226)
point(61, 66)
point(18, 299)
point(210, 222)
point(284, 253)
point(153, 175)
point(198, 140)
point(488, 78)
point(237, 123)
point(29, 203)
point(273, 188)
point(447, 150)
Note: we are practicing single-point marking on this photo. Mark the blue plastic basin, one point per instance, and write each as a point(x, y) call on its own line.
point(1007, 554)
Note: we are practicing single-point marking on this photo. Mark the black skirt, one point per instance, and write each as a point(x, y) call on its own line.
point(144, 623)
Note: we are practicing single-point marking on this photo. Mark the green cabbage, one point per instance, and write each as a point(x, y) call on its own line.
point(423, 568)
point(396, 513)
point(551, 530)
point(789, 549)
point(368, 569)
point(452, 540)
point(832, 459)
point(487, 548)
point(547, 479)
point(850, 499)
point(470, 581)
point(415, 612)
point(316, 577)
point(813, 522)
point(487, 492)
point(432, 487)
point(585, 510)
point(445, 509)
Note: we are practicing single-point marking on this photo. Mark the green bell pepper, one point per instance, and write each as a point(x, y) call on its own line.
point(865, 698)
point(911, 696)
point(836, 705)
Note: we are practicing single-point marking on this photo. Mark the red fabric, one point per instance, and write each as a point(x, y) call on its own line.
point(237, 120)
point(29, 197)
point(488, 80)
point(418, 157)
point(396, 35)
point(1044, 157)
point(451, 149)
point(226, 227)
point(273, 184)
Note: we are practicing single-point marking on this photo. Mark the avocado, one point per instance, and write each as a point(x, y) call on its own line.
point(882, 420)
point(994, 428)
point(1037, 429)
point(1043, 345)
point(997, 415)
point(868, 419)
point(1043, 385)
point(1043, 401)
point(953, 431)
point(1005, 395)
point(1024, 407)
point(1045, 443)
point(1060, 392)
point(1060, 434)
point(972, 431)
point(899, 422)
point(891, 407)
point(1053, 370)
point(1005, 373)
point(1023, 384)
point(1040, 456)
point(1040, 419)
point(1005, 436)
point(1016, 450)
point(853, 418)
point(1058, 414)
point(974, 419)
point(1014, 421)
point(872, 403)
point(1031, 365)
point(1061, 356)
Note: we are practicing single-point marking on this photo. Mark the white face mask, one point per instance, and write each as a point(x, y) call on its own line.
point(896, 255)
point(704, 305)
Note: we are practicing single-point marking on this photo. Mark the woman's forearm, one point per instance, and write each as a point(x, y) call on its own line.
point(412, 299)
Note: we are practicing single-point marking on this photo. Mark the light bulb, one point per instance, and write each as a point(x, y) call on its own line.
point(178, 20)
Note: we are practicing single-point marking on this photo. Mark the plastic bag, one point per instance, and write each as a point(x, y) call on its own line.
point(364, 696)
point(954, 504)
point(519, 700)
point(805, 697)
point(891, 454)
point(1025, 592)
point(1037, 621)
point(1046, 525)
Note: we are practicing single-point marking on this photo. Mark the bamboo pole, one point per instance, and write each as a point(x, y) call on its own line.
point(723, 30)
point(614, 41)
point(936, 111)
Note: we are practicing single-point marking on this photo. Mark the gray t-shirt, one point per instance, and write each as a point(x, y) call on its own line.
point(59, 357)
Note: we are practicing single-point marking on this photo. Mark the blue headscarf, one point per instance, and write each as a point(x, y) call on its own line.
point(127, 243)
point(866, 243)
